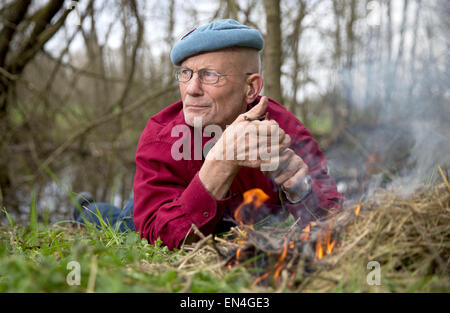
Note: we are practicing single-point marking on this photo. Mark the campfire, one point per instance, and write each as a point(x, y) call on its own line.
point(276, 253)
point(408, 236)
point(273, 251)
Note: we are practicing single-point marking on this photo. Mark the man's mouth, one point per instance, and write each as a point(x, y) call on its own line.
point(196, 107)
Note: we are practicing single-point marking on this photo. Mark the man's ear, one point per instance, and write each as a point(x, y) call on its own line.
point(254, 86)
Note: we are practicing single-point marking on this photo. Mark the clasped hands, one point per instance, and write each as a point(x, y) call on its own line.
point(254, 143)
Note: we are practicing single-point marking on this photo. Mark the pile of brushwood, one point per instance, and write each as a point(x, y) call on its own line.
point(389, 243)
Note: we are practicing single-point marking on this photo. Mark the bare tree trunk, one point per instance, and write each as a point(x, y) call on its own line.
point(12, 64)
point(350, 34)
point(94, 55)
point(370, 49)
point(401, 45)
point(334, 99)
point(392, 74)
point(170, 37)
point(348, 74)
point(296, 35)
point(389, 29)
point(232, 9)
point(12, 16)
point(272, 57)
point(413, 51)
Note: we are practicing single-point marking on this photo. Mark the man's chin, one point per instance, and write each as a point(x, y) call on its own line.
point(198, 119)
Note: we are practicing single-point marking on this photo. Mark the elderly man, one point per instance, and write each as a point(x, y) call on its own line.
point(218, 74)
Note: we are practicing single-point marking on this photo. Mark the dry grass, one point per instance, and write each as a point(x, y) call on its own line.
point(409, 238)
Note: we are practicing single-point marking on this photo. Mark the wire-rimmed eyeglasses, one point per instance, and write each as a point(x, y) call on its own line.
point(206, 76)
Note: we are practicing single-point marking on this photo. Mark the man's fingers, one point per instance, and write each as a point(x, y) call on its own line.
point(285, 141)
point(257, 111)
point(276, 165)
point(293, 183)
point(289, 171)
point(286, 167)
point(272, 136)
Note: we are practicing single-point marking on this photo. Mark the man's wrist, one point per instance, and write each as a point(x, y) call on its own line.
point(217, 176)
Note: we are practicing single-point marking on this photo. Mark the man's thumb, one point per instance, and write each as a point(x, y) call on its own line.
point(259, 109)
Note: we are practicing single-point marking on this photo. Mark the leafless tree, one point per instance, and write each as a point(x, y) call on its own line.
point(22, 36)
point(273, 50)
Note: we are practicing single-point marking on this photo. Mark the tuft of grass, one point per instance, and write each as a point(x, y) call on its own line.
point(33, 210)
point(35, 258)
point(11, 221)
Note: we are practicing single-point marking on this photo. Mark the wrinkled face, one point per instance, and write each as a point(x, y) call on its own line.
point(218, 104)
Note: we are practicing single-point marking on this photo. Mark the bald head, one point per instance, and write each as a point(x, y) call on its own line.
point(246, 59)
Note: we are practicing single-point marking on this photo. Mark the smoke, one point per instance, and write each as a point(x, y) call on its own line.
point(431, 149)
point(400, 132)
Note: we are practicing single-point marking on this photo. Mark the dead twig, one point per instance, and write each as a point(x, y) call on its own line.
point(193, 252)
point(444, 178)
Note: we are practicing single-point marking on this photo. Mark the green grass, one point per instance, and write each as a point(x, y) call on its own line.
point(34, 258)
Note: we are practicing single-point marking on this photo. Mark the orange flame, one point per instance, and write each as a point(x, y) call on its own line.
point(255, 196)
point(256, 282)
point(305, 235)
point(237, 213)
point(357, 210)
point(330, 245)
point(291, 245)
point(319, 250)
point(283, 254)
point(278, 271)
point(322, 238)
point(280, 263)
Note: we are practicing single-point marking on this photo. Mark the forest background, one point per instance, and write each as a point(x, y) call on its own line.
point(79, 81)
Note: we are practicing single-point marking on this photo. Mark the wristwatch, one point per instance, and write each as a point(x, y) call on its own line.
point(307, 181)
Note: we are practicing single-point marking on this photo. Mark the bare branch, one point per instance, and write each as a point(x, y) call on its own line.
point(100, 121)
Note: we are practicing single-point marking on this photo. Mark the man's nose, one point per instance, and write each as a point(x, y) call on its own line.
point(194, 85)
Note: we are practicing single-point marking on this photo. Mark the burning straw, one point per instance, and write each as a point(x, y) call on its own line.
point(408, 237)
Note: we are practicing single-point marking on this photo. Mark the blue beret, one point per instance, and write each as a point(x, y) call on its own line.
point(215, 36)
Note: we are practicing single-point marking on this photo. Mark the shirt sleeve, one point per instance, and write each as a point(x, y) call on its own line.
point(324, 199)
point(168, 200)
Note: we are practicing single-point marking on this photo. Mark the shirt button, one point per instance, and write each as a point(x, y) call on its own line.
point(205, 214)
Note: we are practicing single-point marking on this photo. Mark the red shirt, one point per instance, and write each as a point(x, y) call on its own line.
point(169, 196)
